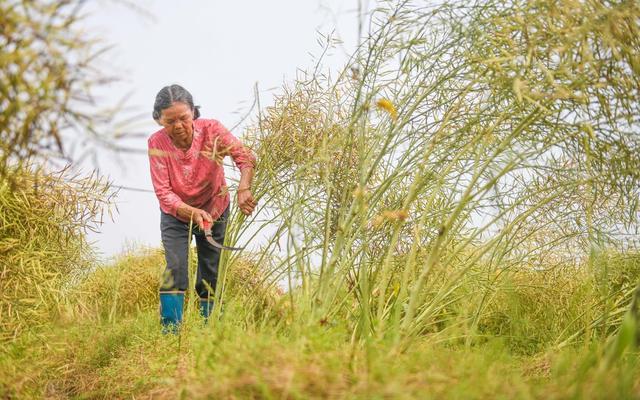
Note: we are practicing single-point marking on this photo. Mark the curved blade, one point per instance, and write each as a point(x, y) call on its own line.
point(214, 243)
point(207, 234)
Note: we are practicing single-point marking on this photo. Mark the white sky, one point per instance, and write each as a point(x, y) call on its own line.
point(218, 51)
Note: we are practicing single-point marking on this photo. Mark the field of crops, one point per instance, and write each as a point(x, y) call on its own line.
point(453, 215)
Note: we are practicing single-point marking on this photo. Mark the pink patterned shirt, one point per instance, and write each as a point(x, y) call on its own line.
point(195, 176)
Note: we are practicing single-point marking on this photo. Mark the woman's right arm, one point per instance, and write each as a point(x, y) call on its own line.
point(159, 168)
point(170, 201)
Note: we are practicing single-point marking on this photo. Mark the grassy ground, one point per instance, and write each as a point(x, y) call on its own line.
point(129, 358)
point(541, 335)
point(107, 344)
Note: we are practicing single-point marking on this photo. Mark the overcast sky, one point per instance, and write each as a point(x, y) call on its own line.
point(218, 51)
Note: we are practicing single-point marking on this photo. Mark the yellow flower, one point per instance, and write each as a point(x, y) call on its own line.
point(518, 87)
point(387, 106)
point(390, 216)
point(359, 193)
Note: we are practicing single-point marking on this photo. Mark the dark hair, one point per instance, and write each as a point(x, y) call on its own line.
point(168, 94)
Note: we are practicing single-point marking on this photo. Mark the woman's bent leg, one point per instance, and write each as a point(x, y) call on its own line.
point(175, 240)
point(208, 261)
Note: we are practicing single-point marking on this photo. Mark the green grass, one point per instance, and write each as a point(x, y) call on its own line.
point(109, 345)
point(130, 358)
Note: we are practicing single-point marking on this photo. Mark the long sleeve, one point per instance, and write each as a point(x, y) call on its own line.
point(169, 201)
point(242, 156)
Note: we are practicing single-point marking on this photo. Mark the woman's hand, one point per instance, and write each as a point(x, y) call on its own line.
point(245, 201)
point(199, 216)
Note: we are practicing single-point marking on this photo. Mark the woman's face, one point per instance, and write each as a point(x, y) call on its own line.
point(177, 120)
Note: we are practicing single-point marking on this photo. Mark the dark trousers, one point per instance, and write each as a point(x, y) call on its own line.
point(175, 235)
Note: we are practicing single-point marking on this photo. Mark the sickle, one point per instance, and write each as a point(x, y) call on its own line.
point(213, 242)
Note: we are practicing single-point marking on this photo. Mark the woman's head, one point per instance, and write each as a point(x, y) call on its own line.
point(174, 110)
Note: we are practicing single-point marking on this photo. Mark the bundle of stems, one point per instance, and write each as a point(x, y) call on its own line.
point(461, 140)
point(44, 218)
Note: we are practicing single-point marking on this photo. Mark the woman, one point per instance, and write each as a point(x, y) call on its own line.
point(185, 157)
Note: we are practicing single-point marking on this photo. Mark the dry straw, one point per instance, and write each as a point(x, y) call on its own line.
point(43, 221)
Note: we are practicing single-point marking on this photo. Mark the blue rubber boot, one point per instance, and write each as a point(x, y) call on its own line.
point(171, 305)
point(206, 306)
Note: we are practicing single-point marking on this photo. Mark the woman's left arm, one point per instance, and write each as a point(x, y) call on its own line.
point(245, 161)
point(245, 198)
